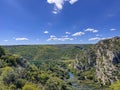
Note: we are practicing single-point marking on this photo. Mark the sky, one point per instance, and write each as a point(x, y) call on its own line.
point(58, 21)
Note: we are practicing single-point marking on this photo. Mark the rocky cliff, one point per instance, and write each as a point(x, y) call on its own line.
point(103, 58)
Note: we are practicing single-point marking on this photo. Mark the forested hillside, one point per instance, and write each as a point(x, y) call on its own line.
point(16, 73)
point(47, 52)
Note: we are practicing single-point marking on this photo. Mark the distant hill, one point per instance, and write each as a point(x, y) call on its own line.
point(47, 52)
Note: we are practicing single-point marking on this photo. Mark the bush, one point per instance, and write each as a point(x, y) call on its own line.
point(12, 87)
point(55, 83)
point(2, 86)
point(115, 86)
point(43, 78)
point(29, 87)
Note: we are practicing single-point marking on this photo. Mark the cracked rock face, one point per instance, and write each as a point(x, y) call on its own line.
point(104, 67)
point(108, 54)
point(104, 57)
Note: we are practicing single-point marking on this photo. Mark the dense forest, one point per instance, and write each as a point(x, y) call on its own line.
point(61, 67)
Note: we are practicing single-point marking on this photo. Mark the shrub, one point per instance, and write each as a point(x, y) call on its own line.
point(29, 87)
point(115, 86)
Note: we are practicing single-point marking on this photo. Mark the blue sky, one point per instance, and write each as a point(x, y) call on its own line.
point(58, 21)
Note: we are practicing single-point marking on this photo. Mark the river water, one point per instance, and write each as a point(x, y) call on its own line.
point(77, 86)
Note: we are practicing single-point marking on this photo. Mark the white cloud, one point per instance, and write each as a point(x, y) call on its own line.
point(67, 32)
point(46, 32)
point(91, 30)
point(96, 38)
point(54, 12)
point(73, 1)
point(5, 40)
point(54, 38)
point(21, 39)
point(78, 34)
point(92, 39)
point(58, 4)
point(95, 31)
point(65, 38)
point(112, 29)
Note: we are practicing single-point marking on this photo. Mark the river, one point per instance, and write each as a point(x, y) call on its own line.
point(76, 85)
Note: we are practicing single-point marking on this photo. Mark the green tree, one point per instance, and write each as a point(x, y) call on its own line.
point(8, 75)
point(29, 87)
point(55, 83)
point(43, 78)
point(2, 52)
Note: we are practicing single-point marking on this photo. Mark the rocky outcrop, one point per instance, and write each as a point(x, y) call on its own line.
point(105, 67)
point(85, 60)
point(104, 57)
point(108, 55)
